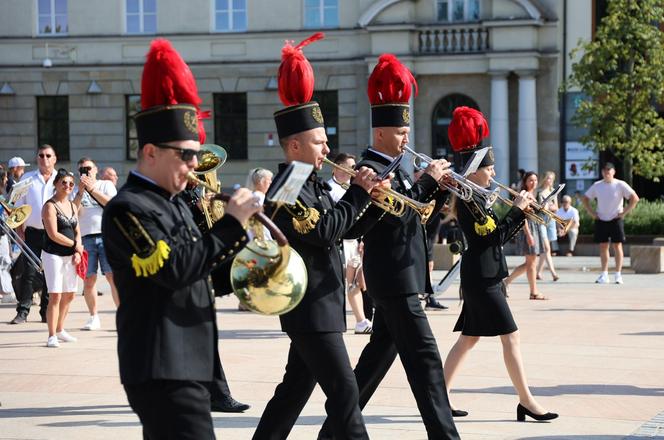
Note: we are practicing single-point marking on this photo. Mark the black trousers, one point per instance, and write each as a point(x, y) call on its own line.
point(219, 389)
point(314, 358)
point(401, 326)
point(32, 279)
point(172, 409)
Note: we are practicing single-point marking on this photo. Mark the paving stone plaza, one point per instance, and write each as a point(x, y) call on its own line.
point(593, 353)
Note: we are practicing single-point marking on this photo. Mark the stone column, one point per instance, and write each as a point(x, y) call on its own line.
point(499, 126)
point(527, 122)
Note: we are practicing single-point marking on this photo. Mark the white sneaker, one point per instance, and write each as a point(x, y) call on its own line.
point(92, 324)
point(619, 279)
point(65, 337)
point(603, 279)
point(363, 327)
point(52, 342)
point(9, 298)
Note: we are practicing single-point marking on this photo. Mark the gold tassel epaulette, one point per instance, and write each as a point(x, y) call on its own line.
point(151, 264)
point(487, 227)
point(304, 218)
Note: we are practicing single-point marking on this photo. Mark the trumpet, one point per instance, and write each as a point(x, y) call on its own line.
point(539, 208)
point(390, 200)
point(464, 190)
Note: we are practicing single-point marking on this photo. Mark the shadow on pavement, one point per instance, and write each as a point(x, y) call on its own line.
point(579, 437)
point(251, 334)
point(581, 389)
point(602, 310)
point(58, 411)
point(644, 334)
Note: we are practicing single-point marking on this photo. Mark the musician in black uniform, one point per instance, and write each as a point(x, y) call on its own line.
point(485, 311)
point(314, 227)
point(395, 261)
point(166, 323)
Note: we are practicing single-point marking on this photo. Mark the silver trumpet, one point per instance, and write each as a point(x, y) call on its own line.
point(464, 190)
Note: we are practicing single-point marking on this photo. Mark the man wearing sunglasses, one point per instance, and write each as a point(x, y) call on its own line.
point(33, 230)
point(166, 321)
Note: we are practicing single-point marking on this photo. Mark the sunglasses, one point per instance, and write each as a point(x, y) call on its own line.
point(186, 154)
point(43, 155)
point(68, 183)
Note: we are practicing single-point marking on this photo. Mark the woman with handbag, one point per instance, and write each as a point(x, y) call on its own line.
point(61, 254)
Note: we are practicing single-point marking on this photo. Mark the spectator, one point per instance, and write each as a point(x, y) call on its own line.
point(548, 231)
point(16, 169)
point(530, 242)
point(33, 230)
point(609, 224)
point(109, 173)
point(516, 185)
point(61, 253)
point(569, 213)
point(355, 285)
point(91, 197)
point(6, 288)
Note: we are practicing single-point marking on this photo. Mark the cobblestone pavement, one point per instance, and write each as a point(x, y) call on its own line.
point(593, 353)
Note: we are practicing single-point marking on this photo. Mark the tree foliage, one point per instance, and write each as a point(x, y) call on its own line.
point(622, 74)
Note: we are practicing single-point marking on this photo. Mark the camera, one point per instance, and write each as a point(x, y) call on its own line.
point(457, 247)
point(84, 171)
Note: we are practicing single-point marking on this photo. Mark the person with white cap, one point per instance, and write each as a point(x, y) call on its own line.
point(16, 169)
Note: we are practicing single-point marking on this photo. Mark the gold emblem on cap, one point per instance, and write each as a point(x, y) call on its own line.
point(490, 155)
point(406, 116)
point(191, 121)
point(316, 114)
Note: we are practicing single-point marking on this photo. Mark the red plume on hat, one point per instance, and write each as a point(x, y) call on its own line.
point(296, 76)
point(168, 80)
point(390, 82)
point(467, 129)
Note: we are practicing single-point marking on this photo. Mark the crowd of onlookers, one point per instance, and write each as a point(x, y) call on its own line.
point(63, 231)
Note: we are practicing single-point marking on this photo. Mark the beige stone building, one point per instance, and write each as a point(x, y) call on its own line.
point(70, 71)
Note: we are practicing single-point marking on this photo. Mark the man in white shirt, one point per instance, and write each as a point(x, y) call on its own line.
point(569, 213)
point(609, 225)
point(33, 230)
point(91, 197)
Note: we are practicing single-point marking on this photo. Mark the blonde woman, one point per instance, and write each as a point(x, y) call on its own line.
point(548, 231)
point(60, 255)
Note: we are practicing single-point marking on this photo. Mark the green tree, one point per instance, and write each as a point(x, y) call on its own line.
point(622, 74)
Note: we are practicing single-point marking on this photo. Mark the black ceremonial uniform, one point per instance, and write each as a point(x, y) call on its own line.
point(317, 353)
point(167, 331)
point(396, 271)
point(485, 311)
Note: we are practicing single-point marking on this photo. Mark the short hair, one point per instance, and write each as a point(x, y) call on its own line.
point(256, 175)
point(567, 198)
point(45, 146)
point(85, 159)
point(343, 157)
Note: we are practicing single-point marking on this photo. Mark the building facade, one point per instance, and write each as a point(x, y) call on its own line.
point(70, 71)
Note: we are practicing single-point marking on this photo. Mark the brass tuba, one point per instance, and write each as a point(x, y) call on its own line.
point(212, 157)
point(267, 276)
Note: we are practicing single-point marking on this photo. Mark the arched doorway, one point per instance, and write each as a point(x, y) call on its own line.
point(440, 120)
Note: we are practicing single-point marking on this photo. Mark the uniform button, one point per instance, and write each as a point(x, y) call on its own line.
point(194, 239)
point(236, 244)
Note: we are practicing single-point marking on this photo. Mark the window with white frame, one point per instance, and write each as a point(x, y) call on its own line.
point(458, 10)
point(321, 13)
point(230, 15)
point(141, 16)
point(52, 17)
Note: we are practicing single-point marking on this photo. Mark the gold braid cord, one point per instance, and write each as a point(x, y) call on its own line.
point(304, 218)
point(484, 224)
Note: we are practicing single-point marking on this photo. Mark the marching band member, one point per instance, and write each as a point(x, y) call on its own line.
point(485, 311)
point(395, 261)
point(314, 227)
point(166, 323)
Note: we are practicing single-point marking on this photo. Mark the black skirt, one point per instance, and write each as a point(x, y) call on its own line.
point(485, 311)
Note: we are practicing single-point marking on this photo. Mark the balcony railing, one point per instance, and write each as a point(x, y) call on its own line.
point(465, 38)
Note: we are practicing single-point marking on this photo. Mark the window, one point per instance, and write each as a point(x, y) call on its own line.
point(53, 124)
point(440, 121)
point(132, 106)
point(230, 15)
point(52, 17)
point(458, 10)
point(321, 13)
point(329, 107)
point(230, 123)
point(141, 16)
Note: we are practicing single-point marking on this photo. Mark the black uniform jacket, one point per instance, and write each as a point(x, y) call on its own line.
point(395, 248)
point(166, 320)
point(484, 261)
point(323, 307)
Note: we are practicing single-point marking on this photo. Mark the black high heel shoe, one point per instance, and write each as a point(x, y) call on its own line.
point(459, 413)
point(522, 411)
